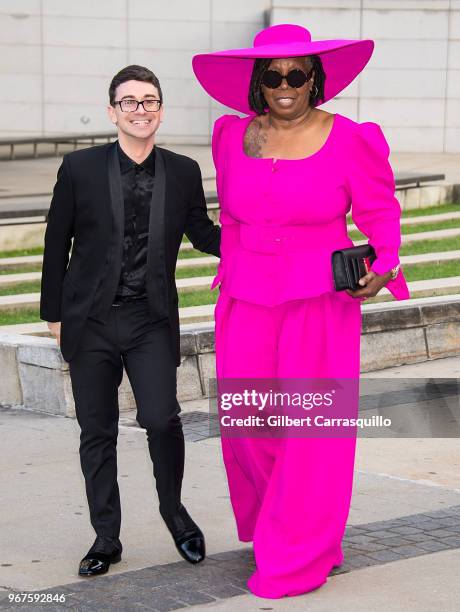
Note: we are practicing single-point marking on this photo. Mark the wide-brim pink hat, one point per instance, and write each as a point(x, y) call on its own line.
point(226, 75)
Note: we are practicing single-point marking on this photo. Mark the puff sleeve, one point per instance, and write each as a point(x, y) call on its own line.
point(229, 226)
point(374, 207)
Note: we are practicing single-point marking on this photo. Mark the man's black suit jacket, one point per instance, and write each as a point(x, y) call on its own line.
point(87, 206)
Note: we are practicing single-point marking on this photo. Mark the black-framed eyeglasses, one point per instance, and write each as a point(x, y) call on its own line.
point(130, 105)
point(294, 78)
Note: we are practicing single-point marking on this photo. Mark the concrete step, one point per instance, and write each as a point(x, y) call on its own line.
point(192, 262)
point(32, 300)
point(11, 262)
point(19, 301)
point(7, 280)
point(435, 218)
point(431, 218)
point(431, 286)
point(437, 283)
point(194, 284)
point(201, 282)
point(196, 314)
point(28, 329)
point(191, 314)
point(408, 260)
point(15, 221)
point(6, 262)
point(435, 235)
point(204, 282)
point(415, 301)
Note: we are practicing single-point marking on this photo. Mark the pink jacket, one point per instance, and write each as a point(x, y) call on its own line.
point(281, 219)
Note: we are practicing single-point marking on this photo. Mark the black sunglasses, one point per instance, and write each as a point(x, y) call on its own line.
point(294, 78)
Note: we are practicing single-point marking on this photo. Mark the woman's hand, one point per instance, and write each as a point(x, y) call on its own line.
point(371, 284)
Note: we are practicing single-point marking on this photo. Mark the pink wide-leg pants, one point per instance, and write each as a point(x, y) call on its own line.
point(290, 496)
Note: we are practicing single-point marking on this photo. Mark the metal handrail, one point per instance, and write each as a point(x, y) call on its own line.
point(56, 139)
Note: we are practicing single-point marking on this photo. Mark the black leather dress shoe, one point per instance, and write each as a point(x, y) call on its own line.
point(102, 553)
point(188, 537)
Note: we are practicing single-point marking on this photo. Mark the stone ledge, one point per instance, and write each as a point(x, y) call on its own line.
point(35, 375)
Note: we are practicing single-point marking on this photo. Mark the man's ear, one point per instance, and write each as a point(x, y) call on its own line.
point(111, 114)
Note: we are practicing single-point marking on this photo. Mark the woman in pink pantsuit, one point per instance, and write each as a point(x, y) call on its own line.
point(287, 174)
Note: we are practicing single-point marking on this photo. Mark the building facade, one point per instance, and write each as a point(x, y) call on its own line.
point(58, 56)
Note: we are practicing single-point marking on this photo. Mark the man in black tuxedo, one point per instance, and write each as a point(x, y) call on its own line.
point(126, 205)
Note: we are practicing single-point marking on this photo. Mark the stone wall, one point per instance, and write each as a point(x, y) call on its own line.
point(394, 333)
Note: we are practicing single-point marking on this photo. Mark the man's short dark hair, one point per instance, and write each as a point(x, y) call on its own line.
point(133, 73)
point(256, 98)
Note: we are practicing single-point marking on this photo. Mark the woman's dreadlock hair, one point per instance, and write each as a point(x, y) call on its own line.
point(256, 98)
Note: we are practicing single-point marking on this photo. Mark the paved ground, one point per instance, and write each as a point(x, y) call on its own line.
point(402, 545)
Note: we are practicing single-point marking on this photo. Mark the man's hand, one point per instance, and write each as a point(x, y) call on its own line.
point(55, 329)
point(371, 284)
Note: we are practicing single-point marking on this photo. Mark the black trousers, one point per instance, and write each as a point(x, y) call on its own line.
point(129, 339)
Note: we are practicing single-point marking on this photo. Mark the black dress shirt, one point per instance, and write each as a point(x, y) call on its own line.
point(137, 183)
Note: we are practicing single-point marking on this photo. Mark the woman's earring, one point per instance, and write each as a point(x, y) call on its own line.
point(315, 93)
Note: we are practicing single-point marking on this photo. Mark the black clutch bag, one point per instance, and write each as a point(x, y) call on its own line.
point(349, 265)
